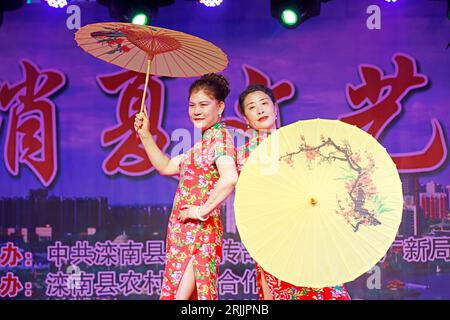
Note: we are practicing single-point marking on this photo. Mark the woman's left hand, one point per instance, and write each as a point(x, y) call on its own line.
point(188, 212)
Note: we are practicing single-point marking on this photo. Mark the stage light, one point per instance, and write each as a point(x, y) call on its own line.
point(211, 3)
point(127, 10)
point(289, 17)
point(291, 13)
point(140, 18)
point(57, 3)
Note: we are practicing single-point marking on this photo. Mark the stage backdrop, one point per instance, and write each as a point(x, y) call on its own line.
point(83, 213)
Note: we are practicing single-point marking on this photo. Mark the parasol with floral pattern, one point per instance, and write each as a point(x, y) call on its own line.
point(318, 203)
point(151, 50)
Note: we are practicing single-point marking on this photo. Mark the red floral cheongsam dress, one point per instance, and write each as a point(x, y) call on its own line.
point(201, 241)
point(281, 290)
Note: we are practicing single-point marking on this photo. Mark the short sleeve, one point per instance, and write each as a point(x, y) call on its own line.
point(222, 145)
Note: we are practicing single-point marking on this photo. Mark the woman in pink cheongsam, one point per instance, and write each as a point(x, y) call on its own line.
point(207, 176)
point(258, 106)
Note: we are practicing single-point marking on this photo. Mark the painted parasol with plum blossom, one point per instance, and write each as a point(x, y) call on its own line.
point(318, 203)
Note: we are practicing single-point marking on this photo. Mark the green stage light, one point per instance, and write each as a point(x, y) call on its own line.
point(140, 18)
point(289, 17)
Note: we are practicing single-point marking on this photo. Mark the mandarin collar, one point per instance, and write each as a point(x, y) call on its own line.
point(259, 135)
point(208, 132)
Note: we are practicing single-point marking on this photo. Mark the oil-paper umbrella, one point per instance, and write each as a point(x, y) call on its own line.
point(318, 203)
point(151, 50)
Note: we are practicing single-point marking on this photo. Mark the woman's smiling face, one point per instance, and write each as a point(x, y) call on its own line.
point(204, 110)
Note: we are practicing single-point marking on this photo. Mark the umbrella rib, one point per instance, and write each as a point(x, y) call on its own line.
point(132, 58)
point(322, 222)
point(265, 210)
point(351, 244)
point(203, 49)
point(334, 242)
point(320, 246)
point(202, 54)
point(190, 39)
point(176, 62)
point(123, 53)
point(181, 58)
point(198, 58)
point(326, 223)
point(297, 238)
point(167, 64)
point(192, 60)
point(83, 38)
point(101, 46)
point(94, 42)
point(282, 185)
point(99, 55)
point(268, 238)
point(296, 172)
point(286, 236)
point(198, 46)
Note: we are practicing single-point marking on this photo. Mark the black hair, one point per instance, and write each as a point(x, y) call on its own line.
point(254, 88)
point(213, 84)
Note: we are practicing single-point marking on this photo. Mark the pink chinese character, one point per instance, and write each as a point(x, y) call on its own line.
point(57, 284)
point(232, 251)
point(228, 283)
point(416, 249)
point(130, 283)
point(152, 282)
point(249, 282)
point(155, 252)
point(106, 284)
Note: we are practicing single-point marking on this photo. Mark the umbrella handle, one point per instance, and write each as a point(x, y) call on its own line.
point(149, 61)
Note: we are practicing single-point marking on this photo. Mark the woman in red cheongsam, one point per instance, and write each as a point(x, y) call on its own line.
point(207, 176)
point(257, 104)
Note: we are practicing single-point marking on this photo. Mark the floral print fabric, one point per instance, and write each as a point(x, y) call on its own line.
point(200, 241)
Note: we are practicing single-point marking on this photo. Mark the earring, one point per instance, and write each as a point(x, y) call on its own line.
point(220, 115)
point(248, 126)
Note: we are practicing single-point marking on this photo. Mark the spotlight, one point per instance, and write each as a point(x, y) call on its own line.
point(134, 10)
point(291, 13)
point(140, 18)
point(211, 3)
point(56, 3)
point(289, 17)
